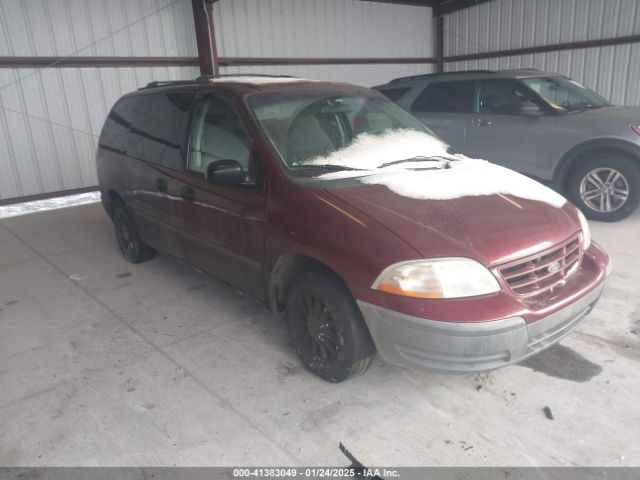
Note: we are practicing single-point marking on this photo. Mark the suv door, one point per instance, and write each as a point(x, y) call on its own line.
point(510, 127)
point(155, 148)
point(445, 107)
point(223, 226)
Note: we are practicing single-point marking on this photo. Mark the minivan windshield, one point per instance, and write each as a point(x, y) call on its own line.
point(308, 129)
point(564, 94)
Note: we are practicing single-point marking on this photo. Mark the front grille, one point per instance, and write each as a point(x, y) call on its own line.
point(543, 271)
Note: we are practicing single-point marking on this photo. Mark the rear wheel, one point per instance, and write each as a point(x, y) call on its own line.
point(327, 328)
point(132, 248)
point(606, 187)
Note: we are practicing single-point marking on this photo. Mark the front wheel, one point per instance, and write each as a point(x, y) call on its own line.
point(606, 187)
point(327, 328)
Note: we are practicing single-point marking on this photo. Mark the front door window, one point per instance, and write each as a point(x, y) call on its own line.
point(501, 97)
point(217, 133)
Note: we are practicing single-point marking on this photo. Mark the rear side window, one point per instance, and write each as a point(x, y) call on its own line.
point(116, 127)
point(159, 128)
point(394, 94)
point(445, 97)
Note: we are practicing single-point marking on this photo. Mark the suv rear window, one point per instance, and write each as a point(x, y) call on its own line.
point(159, 128)
point(445, 97)
point(394, 94)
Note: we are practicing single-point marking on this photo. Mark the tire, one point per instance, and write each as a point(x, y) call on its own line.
point(132, 248)
point(603, 176)
point(327, 328)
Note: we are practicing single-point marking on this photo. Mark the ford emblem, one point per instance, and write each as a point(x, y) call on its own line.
point(554, 267)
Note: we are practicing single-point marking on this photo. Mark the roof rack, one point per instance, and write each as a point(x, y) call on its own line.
point(165, 83)
point(211, 77)
point(529, 69)
point(443, 74)
point(205, 79)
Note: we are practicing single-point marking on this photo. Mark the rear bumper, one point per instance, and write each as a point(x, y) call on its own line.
point(450, 347)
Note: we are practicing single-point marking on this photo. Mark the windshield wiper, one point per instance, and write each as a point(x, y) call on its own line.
point(329, 166)
point(420, 159)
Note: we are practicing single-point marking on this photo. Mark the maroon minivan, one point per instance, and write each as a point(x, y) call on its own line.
point(351, 218)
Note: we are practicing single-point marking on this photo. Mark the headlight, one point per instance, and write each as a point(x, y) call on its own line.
point(636, 128)
point(437, 278)
point(586, 233)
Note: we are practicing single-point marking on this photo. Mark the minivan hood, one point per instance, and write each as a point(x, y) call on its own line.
point(491, 227)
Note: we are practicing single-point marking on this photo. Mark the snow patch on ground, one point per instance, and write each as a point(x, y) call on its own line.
point(25, 208)
point(464, 177)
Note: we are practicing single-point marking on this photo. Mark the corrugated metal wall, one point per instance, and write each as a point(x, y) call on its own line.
point(325, 28)
point(50, 122)
point(50, 118)
point(614, 71)
point(96, 27)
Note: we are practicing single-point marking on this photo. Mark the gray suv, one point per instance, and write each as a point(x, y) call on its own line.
point(541, 124)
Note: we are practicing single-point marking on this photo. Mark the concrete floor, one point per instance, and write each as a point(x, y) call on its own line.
point(107, 363)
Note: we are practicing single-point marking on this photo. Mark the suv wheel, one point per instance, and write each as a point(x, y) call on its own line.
point(132, 248)
point(606, 187)
point(327, 328)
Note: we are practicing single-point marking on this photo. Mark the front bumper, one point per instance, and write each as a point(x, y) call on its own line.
point(450, 347)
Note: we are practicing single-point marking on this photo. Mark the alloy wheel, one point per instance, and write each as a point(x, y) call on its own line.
point(604, 190)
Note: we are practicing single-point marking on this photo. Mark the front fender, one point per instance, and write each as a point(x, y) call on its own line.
point(589, 147)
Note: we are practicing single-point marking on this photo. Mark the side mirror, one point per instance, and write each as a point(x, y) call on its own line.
point(225, 172)
point(530, 108)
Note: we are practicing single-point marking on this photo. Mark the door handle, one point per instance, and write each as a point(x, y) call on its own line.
point(161, 184)
point(482, 122)
point(188, 194)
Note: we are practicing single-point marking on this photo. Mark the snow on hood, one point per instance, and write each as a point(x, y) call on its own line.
point(464, 177)
point(369, 151)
